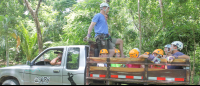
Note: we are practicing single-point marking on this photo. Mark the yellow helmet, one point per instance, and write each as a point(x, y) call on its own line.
point(103, 51)
point(146, 53)
point(134, 53)
point(159, 51)
point(117, 51)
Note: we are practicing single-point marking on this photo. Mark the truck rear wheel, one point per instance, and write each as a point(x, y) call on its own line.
point(11, 82)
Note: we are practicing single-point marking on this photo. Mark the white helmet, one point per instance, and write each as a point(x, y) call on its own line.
point(137, 50)
point(104, 5)
point(178, 44)
point(168, 46)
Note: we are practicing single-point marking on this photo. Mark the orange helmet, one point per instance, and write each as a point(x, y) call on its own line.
point(159, 51)
point(103, 51)
point(146, 53)
point(117, 51)
point(134, 53)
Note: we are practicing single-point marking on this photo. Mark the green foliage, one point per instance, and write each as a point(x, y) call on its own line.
point(78, 21)
point(61, 5)
point(28, 42)
point(196, 80)
point(180, 22)
point(197, 60)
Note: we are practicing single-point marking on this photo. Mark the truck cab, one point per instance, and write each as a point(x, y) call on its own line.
point(41, 72)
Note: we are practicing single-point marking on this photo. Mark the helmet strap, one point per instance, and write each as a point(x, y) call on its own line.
point(155, 58)
point(168, 50)
point(173, 49)
point(105, 10)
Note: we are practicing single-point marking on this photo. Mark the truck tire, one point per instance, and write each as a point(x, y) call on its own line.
point(11, 82)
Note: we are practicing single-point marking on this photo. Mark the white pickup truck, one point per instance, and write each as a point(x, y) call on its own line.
point(38, 72)
point(77, 68)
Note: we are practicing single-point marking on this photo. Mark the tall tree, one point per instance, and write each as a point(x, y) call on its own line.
point(5, 26)
point(161, 10)
point(199, 80)
point(193, 71)
point(7, 52)
point(140, 43)
point(107, 1)
point(34, 14)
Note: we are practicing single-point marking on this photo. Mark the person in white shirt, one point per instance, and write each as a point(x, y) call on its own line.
point(103, 53)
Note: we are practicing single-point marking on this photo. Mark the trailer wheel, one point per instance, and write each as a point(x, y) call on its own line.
point(11, 82)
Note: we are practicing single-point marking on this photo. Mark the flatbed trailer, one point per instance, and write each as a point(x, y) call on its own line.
point(124, 75)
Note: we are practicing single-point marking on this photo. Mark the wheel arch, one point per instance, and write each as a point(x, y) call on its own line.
point(4, 78)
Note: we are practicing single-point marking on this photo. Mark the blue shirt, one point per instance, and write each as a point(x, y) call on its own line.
point(176, 55)
point(101, 24)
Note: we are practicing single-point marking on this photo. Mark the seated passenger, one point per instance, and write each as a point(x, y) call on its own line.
point(158, 53)
point(117, 54)
point(103, 53)
point(58, 59)
point(134, 53)
point(151, 58)
point(146, 53)
point(175, 49)
point(167, 50)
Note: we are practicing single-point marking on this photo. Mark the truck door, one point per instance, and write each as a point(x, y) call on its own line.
point(73, 71)
point(43, 73)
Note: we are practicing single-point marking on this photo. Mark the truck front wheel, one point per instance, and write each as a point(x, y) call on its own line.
point(11, 82)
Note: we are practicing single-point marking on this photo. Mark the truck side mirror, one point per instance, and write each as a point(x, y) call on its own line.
point(28, 63)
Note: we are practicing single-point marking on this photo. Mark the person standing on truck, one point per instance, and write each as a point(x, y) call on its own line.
point(134, 53)
point(58, 59)
point(99, 23)
point(103, 53)
point(175, 49)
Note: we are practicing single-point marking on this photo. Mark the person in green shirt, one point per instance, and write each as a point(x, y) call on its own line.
point(117, 54)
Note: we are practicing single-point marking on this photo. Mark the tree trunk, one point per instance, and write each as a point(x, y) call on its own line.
point(193, 71)
point(140, 43)
point(199, 61)
point(199, 80)
point(7, 52)
point(161, 10)
point(37, 23)
point(107, 1)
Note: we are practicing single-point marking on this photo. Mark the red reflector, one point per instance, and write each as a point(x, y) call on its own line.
point(160, 78)
point(91, 75)
point(141, 77)
point(103, 76)
point(129, 77)
point(179, 79)
point(114, 76)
